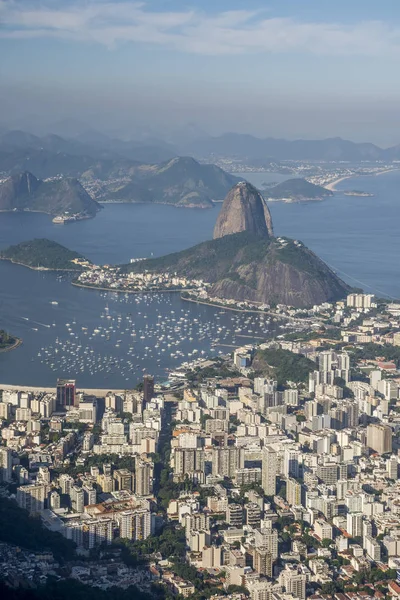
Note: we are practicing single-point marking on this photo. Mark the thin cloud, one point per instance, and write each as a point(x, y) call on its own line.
point(226, 33)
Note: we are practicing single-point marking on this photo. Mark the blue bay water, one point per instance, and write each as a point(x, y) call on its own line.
point(357, 236)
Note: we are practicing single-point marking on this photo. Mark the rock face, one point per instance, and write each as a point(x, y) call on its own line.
point(287, 274)
point(24, 191)
point(244, 209)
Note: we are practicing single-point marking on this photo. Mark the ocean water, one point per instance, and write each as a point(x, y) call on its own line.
point(358, 237)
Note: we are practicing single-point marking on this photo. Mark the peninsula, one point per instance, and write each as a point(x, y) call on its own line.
point(297, 190)
point(8, 341)
point(246, 263)
point(44, 255)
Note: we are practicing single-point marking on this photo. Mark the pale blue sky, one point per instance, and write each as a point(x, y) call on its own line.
point(289, 68)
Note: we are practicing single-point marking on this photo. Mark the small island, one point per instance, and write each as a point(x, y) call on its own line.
point(358, 193)
point(44, 255)
point(8, 341)
point(297, 190)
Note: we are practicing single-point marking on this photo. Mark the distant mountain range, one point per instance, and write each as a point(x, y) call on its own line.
point(104, 157)
point(24, 191)
point(179, 182)
point(53, 155)
point(250, 147)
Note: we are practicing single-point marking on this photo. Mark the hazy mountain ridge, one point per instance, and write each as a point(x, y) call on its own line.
point(330, 149)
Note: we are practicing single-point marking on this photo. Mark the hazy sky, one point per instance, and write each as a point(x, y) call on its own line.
point(289, 68)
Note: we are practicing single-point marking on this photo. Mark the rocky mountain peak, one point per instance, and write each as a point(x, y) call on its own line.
point(244, 209)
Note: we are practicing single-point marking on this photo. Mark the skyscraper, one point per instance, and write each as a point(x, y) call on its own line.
point(148, 389)
point(66, 396)
point(379, 438)
point(269, 468)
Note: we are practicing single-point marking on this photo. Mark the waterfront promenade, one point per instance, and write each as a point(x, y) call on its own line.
point(100, 393)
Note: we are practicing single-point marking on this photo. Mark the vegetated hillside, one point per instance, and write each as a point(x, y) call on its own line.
point(181, 181)
point(19, 529)
point(58, 196)
point(42, 253)
point(244, 266)
point(298, 189)
point(282, 365)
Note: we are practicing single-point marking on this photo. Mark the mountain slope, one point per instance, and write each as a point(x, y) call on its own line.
point(42, 254)
point(25, 192)
point(181, 181)
point(244, 266)
point(245, 262)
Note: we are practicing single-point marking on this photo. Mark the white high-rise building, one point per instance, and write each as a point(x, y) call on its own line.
point(5, 465)
point(269, 471)
point(354, 524)
point(291, 459)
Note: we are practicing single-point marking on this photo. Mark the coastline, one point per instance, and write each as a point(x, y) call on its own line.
point(100, 392)
point(332, 185)
point(119, 291)
point(14, 262)
point(18, 342)
point(200, 206)
point(244, 310)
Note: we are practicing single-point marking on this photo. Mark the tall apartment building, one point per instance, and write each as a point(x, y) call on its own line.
point(354, 524)
point(123, 479)
point(5, 465)
point(294, 582)
point(269, 471)
point(262, 561)
point(98, 531)
point(291, 462)
point(32, 498)
point(143, 478)
point(66, 393)
point(234, 515)
point(379, 438)
point(187, 461)
point(293, 492)
point(253, 515)
point(135, 524)
point(77, 499)
point(360, 301)
point(267, 538)
point(226, 461)
point(148, 389)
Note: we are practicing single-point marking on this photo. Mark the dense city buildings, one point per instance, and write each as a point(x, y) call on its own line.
point(273, 470)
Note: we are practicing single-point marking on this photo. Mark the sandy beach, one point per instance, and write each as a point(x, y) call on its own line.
point(332, 186)
point(100, 393)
